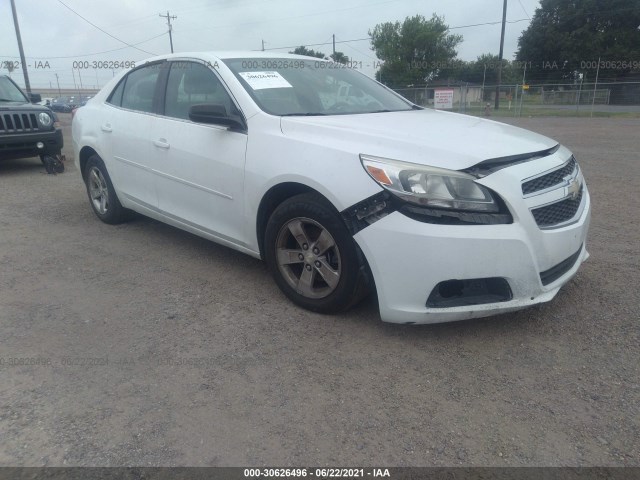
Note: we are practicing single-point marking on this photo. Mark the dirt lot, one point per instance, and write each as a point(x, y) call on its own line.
point(160, 348)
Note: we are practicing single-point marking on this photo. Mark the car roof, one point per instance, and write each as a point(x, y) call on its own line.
point(223, 55)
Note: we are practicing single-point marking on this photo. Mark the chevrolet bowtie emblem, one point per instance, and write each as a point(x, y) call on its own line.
point(573, 190)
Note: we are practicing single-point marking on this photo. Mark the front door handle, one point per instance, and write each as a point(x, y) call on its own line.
point(106, 128)
point(161, 143)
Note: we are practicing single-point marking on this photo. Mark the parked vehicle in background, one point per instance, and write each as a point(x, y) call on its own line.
point(338, 183)
point(26, 129)
point(46, 101)
point(82, 104)
point(61, 104)
point(66, 104)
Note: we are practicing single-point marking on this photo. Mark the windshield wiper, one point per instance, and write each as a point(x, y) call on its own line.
point(8, 100)
point(312, 114)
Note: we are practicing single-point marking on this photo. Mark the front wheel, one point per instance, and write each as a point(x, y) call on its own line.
point(102, 195)
point(312, 255)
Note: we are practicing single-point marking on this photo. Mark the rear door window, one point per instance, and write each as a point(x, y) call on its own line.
point(140, 88)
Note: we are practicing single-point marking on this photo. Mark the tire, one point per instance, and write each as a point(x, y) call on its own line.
point(102, 196)
point(312, 256)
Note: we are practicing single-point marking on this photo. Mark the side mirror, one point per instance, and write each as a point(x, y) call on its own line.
point(215, 115)
point(35, 97)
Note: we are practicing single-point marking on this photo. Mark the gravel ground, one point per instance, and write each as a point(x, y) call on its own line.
point(160, 348)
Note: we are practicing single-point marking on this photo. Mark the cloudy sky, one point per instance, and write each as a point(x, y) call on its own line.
point(55, 39)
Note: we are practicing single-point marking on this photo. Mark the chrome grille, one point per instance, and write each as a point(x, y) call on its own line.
point(550, 179)
point(558, 212)
point(18, 123)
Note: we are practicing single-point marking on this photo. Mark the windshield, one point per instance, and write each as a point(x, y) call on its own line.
point(292, 86)
point(9, 92)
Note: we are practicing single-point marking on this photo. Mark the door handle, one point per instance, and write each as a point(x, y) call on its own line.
point(106, 128)
point(161, 143)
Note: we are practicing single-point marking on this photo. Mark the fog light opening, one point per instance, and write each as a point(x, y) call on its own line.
point(474, 291)
point(452, 288)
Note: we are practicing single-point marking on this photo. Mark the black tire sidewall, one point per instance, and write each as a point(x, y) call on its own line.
point(315, 207)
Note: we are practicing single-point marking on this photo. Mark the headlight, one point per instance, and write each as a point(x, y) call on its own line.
point(44, 119)
point(430, 186)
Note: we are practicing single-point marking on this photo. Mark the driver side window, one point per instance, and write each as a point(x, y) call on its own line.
point(192, 83)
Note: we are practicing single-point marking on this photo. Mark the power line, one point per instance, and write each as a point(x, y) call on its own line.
point(319, 44)
point(89, 54)
point(103, 31)
point(369, 38)
point(524, 10)
point(489, 23)
point(361, 53)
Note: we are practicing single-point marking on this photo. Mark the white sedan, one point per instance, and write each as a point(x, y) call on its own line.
point(445, 217)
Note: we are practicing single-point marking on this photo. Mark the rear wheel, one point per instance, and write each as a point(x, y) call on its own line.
point(102, 196)
point(312, 255)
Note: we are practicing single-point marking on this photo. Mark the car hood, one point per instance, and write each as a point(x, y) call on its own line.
point(427, 137)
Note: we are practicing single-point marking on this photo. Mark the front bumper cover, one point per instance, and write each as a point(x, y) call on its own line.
point(409, 258)
point(25, 145)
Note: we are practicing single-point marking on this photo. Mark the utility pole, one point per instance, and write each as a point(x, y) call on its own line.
point(58, 82)
point(595, 86)
point(263, 45)
point(582, 75)
point(22, 59)
point(484, 76)
point(524, 76)
point(334, 46)
point(504, 21)
point(169, 17)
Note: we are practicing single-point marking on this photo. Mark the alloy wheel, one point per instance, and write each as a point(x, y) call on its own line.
point(308, 258)
point(98, 191)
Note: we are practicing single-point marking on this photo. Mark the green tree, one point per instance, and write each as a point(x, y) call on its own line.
point(302, 50)
point(413, 51)
point(485, 70)
point(567, 37)
point(339, 57)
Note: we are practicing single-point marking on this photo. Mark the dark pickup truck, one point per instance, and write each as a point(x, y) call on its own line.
point(26, 130)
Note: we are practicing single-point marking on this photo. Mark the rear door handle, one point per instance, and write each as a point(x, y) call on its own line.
point(161, 143)
point(107, 128)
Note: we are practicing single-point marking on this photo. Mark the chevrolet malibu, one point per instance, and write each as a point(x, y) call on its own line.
point(340, 185)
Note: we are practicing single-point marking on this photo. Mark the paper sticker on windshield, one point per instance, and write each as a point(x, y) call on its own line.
point(261, 80)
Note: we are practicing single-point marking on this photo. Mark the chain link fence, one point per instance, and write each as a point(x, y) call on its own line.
point(581, 99)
